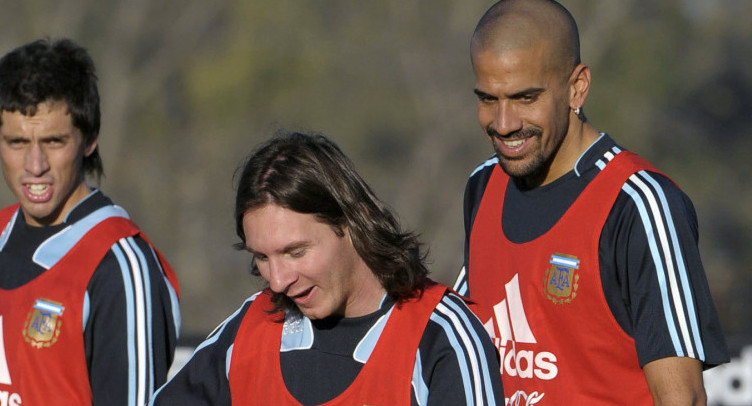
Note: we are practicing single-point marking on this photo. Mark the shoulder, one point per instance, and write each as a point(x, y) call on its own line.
point(476, 187)
point(9, 211)
point(479, 176)
point(214, 352)
point(454, 324)
point(653, 199)
point(131, 268)
point(457, 352)
point(204, 379)
point(224, 334)
point(128, 254)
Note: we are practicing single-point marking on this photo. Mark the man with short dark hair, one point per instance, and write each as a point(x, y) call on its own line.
point(582, 256)
point(350, 316)
point(88, 307)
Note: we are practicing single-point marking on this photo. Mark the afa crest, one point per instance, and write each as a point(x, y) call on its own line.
point(42, 327)
point(562, 278)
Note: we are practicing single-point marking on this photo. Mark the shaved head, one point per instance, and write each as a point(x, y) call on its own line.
point(511, 25)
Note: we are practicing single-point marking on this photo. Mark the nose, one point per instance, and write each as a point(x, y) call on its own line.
point(506, 120)
point(36, 160)
point(281, 276)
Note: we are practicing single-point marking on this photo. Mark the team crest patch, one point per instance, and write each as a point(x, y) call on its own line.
point(42, 327)
point(562, 278)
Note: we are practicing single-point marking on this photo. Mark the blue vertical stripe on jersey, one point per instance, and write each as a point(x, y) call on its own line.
point(660, 271)
point(459, 350)
point(420, 389)
point(460, 285)
point(86, 310)
point(228, 360)
point(148, 368)
point(174, 300)
point(130, 317)
point(665, 246)
point(464, 322)
point(682, 270)
point(140, 323)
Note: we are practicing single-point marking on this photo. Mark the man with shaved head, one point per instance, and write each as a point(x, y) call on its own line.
point(582, 256)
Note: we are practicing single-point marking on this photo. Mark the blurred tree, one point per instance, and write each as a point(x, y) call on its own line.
point(188, 91)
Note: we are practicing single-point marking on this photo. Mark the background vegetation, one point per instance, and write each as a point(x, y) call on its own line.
point(190, 87)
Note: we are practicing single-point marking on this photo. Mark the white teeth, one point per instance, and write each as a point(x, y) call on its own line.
point(514, 143)
point(38, 189)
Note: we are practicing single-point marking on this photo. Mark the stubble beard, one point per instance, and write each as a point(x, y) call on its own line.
point(527, 168)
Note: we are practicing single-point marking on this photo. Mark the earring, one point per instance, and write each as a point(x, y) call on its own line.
point(577, 111)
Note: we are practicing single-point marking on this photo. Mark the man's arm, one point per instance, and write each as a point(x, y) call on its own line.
point(655, 284)
point(203, 380)
point(676, 381)
point(460, 365)
point(132, 326)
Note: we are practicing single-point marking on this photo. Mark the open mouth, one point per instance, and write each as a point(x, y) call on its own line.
point(303, 296)
point(513, 143)
point(38, 192)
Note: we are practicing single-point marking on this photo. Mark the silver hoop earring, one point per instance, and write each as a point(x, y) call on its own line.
point(577, 111)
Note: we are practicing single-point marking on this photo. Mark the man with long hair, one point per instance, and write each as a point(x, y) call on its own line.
point(349, 316)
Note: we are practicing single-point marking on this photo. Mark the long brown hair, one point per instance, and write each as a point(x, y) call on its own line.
point(308, 173)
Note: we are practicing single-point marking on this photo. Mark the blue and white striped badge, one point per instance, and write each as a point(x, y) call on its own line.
point(50, 307)
point(573, 263)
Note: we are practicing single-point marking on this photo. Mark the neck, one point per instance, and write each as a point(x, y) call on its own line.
point(580, 136)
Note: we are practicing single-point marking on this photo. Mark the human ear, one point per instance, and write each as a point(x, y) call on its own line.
point(579, 86)
point(90, 148)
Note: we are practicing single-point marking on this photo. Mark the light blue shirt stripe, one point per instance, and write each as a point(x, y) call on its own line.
point(87, 309)
point(131, 319)
point(489, 162)
point(461, 360)
point(148, 306)
point(174, 299)
point(467, 325)
point(420, 389)
point(680, 264)
point(658, 267)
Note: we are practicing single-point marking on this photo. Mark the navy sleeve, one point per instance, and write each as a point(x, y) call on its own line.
point(132, 321)
point(459, 364)
point(653, 276)
point(204, 379)
point(476, 186)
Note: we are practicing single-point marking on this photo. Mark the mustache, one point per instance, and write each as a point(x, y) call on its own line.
point(526, 132)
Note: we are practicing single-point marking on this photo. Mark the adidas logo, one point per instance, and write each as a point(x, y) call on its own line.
point(512, 328)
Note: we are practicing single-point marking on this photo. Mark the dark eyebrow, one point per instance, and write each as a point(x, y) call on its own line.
point(55, 136)
point(482, 94)
point(529, 92)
